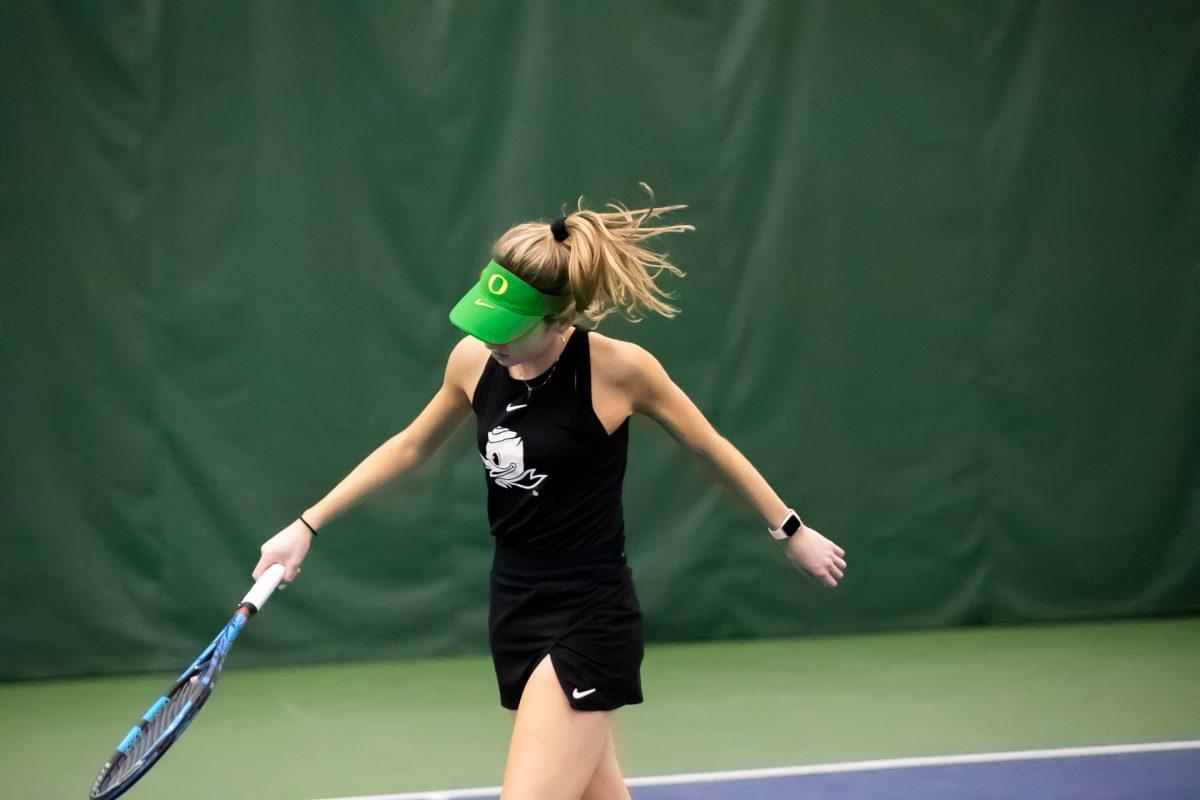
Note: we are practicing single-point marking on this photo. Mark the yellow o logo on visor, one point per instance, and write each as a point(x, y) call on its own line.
point(503, 284)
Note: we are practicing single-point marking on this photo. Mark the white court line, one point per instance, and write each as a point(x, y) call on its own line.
point(821, 769)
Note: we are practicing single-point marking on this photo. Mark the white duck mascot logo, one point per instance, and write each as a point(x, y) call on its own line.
point(505, 460)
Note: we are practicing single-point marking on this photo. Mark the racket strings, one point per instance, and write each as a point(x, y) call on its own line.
point(191, 691)
point(150, 738)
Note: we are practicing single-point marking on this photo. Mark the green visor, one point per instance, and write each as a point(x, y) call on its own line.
point(502, 307)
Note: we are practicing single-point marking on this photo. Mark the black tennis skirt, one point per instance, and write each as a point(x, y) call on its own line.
point(581, 608)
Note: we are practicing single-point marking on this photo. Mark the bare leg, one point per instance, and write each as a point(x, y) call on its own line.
point(554, 749)
point(607, 782)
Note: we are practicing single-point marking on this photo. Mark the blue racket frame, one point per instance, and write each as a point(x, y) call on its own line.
point(207, 666)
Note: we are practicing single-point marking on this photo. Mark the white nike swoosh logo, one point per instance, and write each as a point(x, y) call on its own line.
point(511, 407)
point(479, 302)
point(578, 694)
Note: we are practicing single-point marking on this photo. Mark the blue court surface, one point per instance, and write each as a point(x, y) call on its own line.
point(1160, 771)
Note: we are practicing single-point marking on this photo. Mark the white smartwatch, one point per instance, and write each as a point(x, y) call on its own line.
point(791, 523)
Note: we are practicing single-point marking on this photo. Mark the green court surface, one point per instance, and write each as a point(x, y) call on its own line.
point(371, 728)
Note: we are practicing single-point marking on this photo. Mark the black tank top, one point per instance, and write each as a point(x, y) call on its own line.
point(553, 473)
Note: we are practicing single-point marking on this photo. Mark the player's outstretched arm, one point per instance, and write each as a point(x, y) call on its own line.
point(656, 396)
point(399, 454)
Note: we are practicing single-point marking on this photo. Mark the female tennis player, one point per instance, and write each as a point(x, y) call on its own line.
point(552, 400)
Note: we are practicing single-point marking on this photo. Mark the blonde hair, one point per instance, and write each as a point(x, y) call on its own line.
point(601, 264)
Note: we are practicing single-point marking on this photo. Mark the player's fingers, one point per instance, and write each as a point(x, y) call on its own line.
point(839, 550)
point(830, 580)
point(290, 573)
point(841, 562)
point(260, 568)
point(835, 571)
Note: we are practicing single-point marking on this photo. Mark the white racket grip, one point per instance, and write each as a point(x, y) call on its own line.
point(264, 586)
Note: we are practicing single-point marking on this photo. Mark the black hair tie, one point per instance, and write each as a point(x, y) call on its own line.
point(559, 229)
point(310, 527)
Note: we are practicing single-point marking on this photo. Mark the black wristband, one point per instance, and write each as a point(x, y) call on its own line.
point(310, 527)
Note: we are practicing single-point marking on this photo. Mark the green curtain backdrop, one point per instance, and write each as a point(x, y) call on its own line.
point(944, 293)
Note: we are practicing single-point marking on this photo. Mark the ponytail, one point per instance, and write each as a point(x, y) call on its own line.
point(601, 264)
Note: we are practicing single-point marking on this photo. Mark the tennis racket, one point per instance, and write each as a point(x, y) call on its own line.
point(165, 721)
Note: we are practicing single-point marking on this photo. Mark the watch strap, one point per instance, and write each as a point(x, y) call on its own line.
point(791, 523)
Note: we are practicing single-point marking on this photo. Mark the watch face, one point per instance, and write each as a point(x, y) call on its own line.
point(792, 525)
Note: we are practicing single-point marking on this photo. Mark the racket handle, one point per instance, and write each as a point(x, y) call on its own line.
point(263, 587)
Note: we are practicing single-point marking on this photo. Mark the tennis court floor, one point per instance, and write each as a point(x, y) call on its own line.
point(818, 717)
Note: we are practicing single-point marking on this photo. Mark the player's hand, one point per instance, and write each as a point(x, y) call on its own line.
point(816, 555)
point(288, 547)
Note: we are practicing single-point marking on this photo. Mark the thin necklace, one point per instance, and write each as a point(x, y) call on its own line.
point(529, 389)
